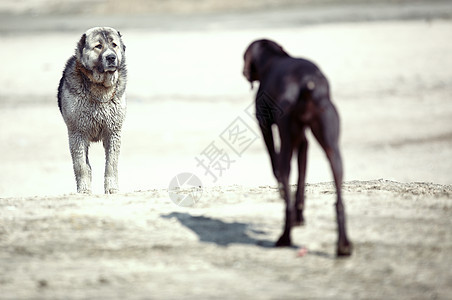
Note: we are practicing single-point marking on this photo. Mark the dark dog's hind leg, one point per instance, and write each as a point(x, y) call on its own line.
point(344, 247)
point(326, 130)
point(299, 198)
point(285, 157)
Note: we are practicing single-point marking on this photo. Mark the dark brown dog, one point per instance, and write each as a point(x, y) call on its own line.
point(294, 94)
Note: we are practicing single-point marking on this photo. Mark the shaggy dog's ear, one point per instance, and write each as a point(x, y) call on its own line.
point(81, 45)
point(122, 43)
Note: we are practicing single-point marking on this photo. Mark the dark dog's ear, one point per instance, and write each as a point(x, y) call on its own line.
point(274, 47)
point(81, 45)
point(281, 50)
point(249, 69)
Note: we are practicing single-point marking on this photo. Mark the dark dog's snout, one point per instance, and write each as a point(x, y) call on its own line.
point(111, 58)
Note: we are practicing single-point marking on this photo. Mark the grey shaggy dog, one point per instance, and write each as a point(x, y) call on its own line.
point(92, 101)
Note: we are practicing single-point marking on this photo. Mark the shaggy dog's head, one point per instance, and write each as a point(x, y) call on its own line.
point(101, 52)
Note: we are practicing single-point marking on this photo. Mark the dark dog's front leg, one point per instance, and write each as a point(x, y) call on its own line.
point(285, 157)
point(269, 142)
point(112, 144)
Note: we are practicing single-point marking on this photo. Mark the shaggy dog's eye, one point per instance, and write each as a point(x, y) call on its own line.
point(114, 45)
point(99, 46)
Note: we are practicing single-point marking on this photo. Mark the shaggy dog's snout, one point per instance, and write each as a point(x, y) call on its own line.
point(111, 59)
point(111, 62)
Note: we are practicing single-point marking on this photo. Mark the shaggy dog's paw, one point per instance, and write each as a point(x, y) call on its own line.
point(84, 191)
point(111, 191)
point(111, 185)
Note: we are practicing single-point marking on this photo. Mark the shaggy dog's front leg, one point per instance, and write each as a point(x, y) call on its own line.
point(112, 144)
point(82, 169)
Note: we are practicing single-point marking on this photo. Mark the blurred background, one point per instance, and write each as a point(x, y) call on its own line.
point(389, 64)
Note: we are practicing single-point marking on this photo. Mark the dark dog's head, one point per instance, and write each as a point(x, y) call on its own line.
point(102, 52)
point(256, 57)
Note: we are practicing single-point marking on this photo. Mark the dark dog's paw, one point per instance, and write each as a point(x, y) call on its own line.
point(284, 241)
point(345, 249)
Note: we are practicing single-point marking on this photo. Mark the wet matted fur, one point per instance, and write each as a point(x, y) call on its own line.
point(92, 101)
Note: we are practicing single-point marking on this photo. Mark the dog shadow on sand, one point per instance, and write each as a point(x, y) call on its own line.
point(215, 231)
point(210, 230)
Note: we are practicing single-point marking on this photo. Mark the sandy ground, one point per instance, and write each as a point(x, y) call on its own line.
point(142, 246)
point(392, 84)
